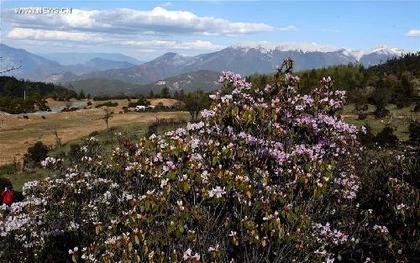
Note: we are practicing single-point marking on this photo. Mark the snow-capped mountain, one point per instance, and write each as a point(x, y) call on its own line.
point(380, 55)
point(244, 58)
point(247, 59)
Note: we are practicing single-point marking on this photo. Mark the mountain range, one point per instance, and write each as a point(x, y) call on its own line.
point(198, 80)
point(174, 69)
point(38, 68)
point(241, 59)
point(72, 58)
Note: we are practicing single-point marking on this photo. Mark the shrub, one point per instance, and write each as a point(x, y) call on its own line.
point(93, 134)
point(266, 175)
point(387, 198)
point(367, 138)
point(416, 107)
point(381, 113)
point(10, 168)
point(37, 152)
point(362, 115)
point(107, 104)
point(74, 153)
point(386, 137)
point(196, 102)
point(141, 101)
point(4, 182)
point(152, 129)
point(414, 130)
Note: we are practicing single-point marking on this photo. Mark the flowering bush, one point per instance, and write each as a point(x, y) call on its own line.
point(388, 205)
point(267, 174)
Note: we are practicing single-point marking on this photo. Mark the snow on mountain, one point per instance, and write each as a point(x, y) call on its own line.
point(382, 49)
point(267, 48)
point(244, 58)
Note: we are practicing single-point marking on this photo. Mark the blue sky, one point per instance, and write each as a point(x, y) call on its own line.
point(146, 29)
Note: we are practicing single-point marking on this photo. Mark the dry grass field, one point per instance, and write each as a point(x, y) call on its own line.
point(18, 133)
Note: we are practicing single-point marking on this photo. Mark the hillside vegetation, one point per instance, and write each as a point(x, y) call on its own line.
point(397, 81)
point(12, 92)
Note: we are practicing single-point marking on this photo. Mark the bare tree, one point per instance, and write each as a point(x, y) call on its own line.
point(107, 115)
point(57, 139)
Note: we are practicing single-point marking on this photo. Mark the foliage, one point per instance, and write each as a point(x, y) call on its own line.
point(141, 101)
point(395, 81)
point(37, 152)
point(388, 201)
point(165, 93)
point(381, 112)
point(414, 130)
point(11, 87)
point(367, 138)
point(4, 182)
point(196, 102)
point(10, 168)
point(386, 137)
point(163, 125)
point(266, 175)
point(12, 95)
point(107, 104)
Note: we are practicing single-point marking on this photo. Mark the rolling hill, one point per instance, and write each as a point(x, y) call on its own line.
point(199, 80)
point(73, 58)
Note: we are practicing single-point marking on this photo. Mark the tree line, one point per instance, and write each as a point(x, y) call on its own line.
point(22, 96)
point(395, 82)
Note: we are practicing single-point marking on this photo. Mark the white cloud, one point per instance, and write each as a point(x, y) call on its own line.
point(413, 33)
point(171, 44)
point(288, 28)
point(39, 34)
point(119, 40)
point(288, 46)
point(166, 4)
point(128, 21)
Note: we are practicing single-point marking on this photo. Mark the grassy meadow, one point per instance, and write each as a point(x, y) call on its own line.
point(18, 133)
point(399, 119)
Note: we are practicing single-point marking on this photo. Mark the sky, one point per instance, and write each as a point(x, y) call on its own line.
point(146, 29)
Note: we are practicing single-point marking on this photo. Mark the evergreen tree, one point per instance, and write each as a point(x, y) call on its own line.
point(81, 95)
point(165, 93)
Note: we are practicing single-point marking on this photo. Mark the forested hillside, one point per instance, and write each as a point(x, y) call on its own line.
point(18, 96)
point(397, 81)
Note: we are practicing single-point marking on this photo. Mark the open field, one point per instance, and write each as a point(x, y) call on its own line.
point(18, 133)
point(105, 137)
point(399, 119)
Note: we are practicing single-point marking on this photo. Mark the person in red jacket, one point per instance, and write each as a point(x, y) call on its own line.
point(7, 196)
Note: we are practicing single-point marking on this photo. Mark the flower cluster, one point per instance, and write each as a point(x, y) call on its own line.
point(51, 162)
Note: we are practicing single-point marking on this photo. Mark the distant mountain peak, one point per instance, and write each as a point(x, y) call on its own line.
point(171, 55)
point(383, 49)
point(171, 58)
point(299, 47)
